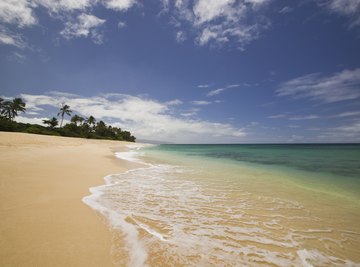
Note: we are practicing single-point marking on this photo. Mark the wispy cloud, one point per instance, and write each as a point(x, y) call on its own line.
point(219, 21)
point(313, 116)
point(180, 36)
point(8, 38)
point(73, 13)
point(286, 9)
point(18, 57)
point(340, 86)
point(17, 12)
point(353, 128)
point(190, 112)
point(294, 118)
point(201, 102)
point(203, 86)
point(84, 26)
point(347, 114)
point(307, 117)
point(348, 8)
point(146, 118)
point(277, 116)
point(349, 132)
point(220, 90)
point(216, 91)
point(119, 5)
point(121, 24)
point(174, 102)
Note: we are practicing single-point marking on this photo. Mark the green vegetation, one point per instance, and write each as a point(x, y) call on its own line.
point(64, 110)
point(9, 109)
point(78, 127)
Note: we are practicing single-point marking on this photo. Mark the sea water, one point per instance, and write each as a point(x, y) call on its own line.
point(235, 205)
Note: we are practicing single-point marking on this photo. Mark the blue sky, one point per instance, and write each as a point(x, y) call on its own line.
point(200, 71)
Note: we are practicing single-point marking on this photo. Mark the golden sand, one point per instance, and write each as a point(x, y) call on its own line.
point(42, 181)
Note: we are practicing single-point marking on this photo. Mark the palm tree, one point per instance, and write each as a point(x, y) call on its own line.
point(18, 105)
point(91, 121)
point(10, 109)
point(77, 119)
point(6, 110)
point(64, 110)
point(1, 106)
point(52, 123)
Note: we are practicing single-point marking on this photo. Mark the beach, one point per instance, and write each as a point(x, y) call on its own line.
point(79, 202)
point(235, 205)
point(42, 182)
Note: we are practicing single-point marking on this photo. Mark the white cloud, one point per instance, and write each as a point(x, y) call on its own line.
point(119, 5)
point(86, 25)
point(347, 114)
point(212, 21)
point(212, 33)
point(180, 36)
point(18, 57)
point(286, 9)
point(17, 12)
point(174, 102)
point(190, 113)
point(345, 133)
point(33, 120)
point(201, 102)
point(307, 117)
point(21, 13)
point(278, 116)
point(220, 90)
point(294, 118)
point(220, 21)
point(145, 118)
point(165, 4)
point(257, 2)
point(57, 6)
point(121, 24)
point(203, 86)
point(340, 86)
point(348, 8)
point(295, 138)
point(7, 38)
point(353, 128)
point(216, 91)
point(207, 10)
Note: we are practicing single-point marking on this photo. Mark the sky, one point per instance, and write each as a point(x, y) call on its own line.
point(189, 71)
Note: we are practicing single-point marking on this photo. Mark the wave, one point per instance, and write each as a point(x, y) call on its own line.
point(171, 215)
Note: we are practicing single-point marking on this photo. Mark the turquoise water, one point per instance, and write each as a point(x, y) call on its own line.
point(235, 205)
point(334, 168)
point(336, 159)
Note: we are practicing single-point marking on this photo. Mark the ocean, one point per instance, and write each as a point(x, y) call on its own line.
point(234, 205)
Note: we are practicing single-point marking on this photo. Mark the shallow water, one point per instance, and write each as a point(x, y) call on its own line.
point(187, 207)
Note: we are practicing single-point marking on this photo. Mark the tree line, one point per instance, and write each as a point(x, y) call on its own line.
point(78, 127)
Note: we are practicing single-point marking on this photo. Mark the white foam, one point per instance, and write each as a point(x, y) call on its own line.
point(310, 257)
point(117, 221)
point(152, 232)
point(129, 156)
point(132, 154)
point(198, 224)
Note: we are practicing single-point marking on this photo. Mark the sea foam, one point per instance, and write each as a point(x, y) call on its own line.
point(168, 218)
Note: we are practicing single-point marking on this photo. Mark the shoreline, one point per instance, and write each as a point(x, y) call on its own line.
point(43, 181)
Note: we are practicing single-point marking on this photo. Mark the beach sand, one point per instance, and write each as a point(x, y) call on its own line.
point(42, 181)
